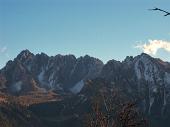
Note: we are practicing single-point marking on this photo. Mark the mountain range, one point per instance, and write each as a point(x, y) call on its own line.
point(38, 79)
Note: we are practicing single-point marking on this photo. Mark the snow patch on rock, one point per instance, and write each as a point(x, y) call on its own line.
point(41, 75)
point(17, 86)
point(137, 70)
point(78, 87)
point(51, 80)
point(151, 103)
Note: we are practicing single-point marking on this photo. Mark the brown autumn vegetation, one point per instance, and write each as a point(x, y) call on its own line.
point(110, 111)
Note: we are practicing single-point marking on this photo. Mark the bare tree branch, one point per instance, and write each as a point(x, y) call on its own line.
point(157, 9)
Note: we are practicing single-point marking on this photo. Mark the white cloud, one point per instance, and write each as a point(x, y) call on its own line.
point(153, 46)
point(3, 49)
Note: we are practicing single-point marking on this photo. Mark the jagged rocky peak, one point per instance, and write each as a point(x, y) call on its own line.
point(87, 57)
point(90, 59)
point(24, 55)
point(143, 57)
point(42, 56)
point(61, 56)
point(112, 64)
point(128, 60)
point(50, 72)
point(142, 66)
point(90, 65)
point(40, 60)
point(148, 68)
point(63, 59)
point(111, 70)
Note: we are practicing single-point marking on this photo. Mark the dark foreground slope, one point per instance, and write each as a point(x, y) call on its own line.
point(13, 115)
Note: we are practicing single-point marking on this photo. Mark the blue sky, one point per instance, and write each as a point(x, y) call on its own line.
point(107, 29)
